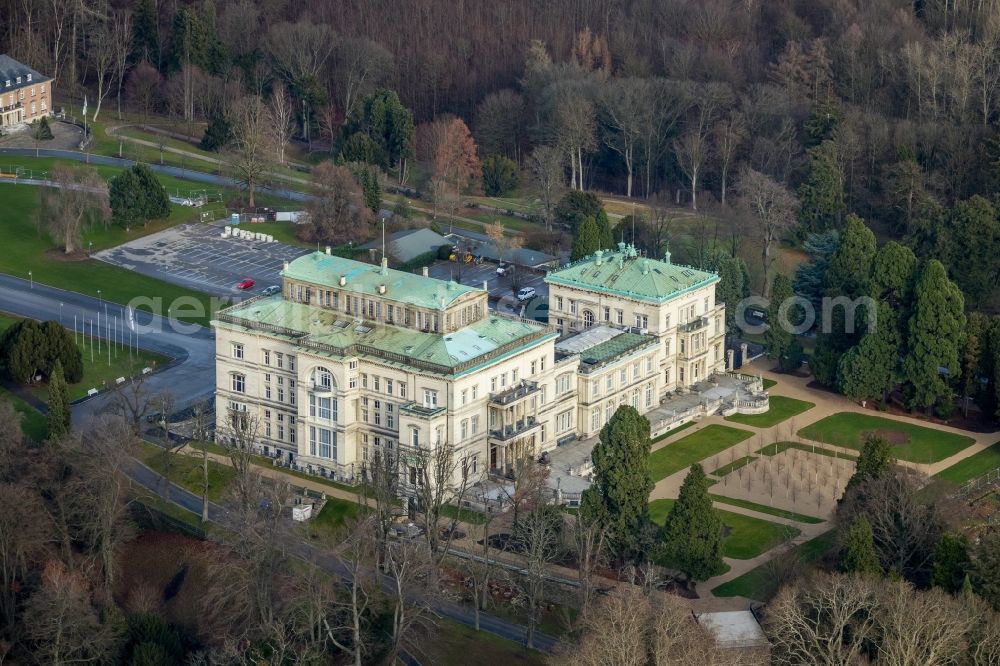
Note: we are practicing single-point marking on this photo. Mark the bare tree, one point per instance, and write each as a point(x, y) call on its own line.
point(729, 133)
point(238, 437)
point(101, 54)
point(132, 400)
point(772, 209)
point(667, 103)
point(548, 165)
point(337, 213)
point(624, 105)
point(692, 150)
point(589, 537)
point(250, 143)
point(441, 481)
point(407, 565)
point(280, 121)
point(917, 628)
point(538, 536)
point(358, 66)
point(356, 554)
point(574, 125)
point(78, 196)
point(381, 484)
point(121, 38)
point(826, 620)
point(23, 538)
point(299, 52)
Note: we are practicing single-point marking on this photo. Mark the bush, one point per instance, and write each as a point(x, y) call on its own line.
point(41, 129)
point(500, 175)
point(28, 348)
point(137, 196)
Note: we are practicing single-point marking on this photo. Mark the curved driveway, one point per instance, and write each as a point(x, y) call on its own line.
point(189, 378)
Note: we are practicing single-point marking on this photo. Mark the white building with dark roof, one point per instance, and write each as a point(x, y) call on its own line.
point(25, 95)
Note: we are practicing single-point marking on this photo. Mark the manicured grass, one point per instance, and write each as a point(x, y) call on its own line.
point(778, 447)
point(452, 512)
point(673, 431)
point(974, 466)
point(771, 510)
point(27, 249)
point(763, 582)
point(781, 409)
point(747, 537)
point(910, 442)
point(187, 471)
point(733, 466)
point(697, 446)
point(768, 383)
point(97, 373)
point(33, 422)
point(334, 514)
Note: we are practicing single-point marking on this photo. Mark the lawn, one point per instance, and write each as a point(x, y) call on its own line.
point(909, 442)
point(778, 447)
point(746, 537)
point(452, 512)
point(690, 449)
point(781, 409)
point(763, 582)
point(768, 383)
point(453, 644)
point(187, 471)
point(763, 508)
point(27, 249)
point(97, 370)
point(729, 468)
point(972, 467)
point(333, 515)
point(33, 422)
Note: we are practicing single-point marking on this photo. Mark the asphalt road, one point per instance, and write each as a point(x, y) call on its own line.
point(189, 378)
point(149, 479)
point(186, 174)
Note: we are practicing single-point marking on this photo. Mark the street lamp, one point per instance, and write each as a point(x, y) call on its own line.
point(31, 280)
point(99, 298)
point(60, 313)
point(90, 248)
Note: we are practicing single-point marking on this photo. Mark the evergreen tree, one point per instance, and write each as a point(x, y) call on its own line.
point(41, 130)
point(951, 562)
point(29, 348)
point(218, 133)
point(893, 270)
point(145, 33)
point(619, 492)
point(58, 403)
point(936, 332)
point(605, 236)
point(389, 124)
point(777, 338)
point(372, 192)
point(155, 201)
point(500, 175)
point(123, 194)
point(731, 287)
point(586, 241)
point(576, 206)
point(868, 371)
point(188, 41)
point(810, 275)
point(974, 349)
point(822, 194)
point(968, 246)
point(986, 567)
point(692, 533)
point(875, 459)
point(859, 550)
point(359, 147)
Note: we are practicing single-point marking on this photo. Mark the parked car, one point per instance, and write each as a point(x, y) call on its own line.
point(526, 294)
point(245, 284)
point(502, 269)
point(273, 289)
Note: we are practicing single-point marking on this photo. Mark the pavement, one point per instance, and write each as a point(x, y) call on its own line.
point(196, 256)
point(189, 378)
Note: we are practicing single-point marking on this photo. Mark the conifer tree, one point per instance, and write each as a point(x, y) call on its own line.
point(58, 403)
point(859, 551)
point(951, 562)
point(587, 239)
point(619, 491)
point(692, 533)
point(936, 333)
point(875, 459)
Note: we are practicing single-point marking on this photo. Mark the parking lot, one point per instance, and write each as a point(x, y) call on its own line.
point(501, 288)
point(197, 257)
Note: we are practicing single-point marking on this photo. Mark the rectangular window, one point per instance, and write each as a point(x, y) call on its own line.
point(666, 323)
point(572, 307)
point(266, 357)
point(465, 396)
point(464, 432)
point(364, 380)
point(402, 389)
point(610, 381)
point(475, 391)
point(649, 365)
point(376, 383)
point(533, 363)
point(267, 392)
point(620, 317)
point(649, 395)
point(388, 386)
point(279, 360)
point(237, 350)
point(430, 398)
point(635, 371)
point(291, 363)
point(641, 321)
point(353, 365)
point(281, 394)
point(493, 384)
point(352, 382)
point(623, 377)
point(240, 383)
point(475, 424)
point(595, 418)
point(559, 303)
point(609, 410)
point(595, 388)
point(607, 313)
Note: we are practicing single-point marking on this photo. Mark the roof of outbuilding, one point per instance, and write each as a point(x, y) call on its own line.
point(10, 69)
point(622, 272)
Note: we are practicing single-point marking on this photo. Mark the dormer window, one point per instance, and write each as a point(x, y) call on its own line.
point(7, 83)
point(19, 80)
point(29, 77)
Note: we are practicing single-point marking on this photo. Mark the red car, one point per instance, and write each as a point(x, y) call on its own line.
point(245, 284)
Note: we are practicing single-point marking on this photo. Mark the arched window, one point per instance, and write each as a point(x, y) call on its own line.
point(588, 318)
point(323, 379)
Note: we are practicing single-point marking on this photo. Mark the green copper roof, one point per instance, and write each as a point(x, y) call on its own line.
point(616, 346)
point(622, 273)
point(322, 329)
point(364, 280)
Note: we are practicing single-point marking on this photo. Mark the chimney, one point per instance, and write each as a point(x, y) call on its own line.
point(486, 286)
point(666, 256)
point(645, 266)
point(328, 249)
point(385, 266)
point(343, 280)
point(285, 267)
point(424, 271)
point(381, 289)
point(598, 254)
